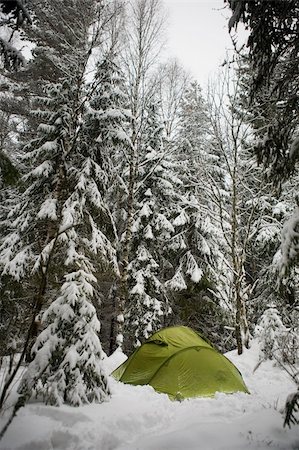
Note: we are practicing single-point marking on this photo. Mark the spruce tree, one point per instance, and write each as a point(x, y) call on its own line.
point(156, 194)
point(15, 16)
point(139, 57)
point(57, 242)
point(273, 99)
point(198, 246)
point(269, 332)
point(105, 137)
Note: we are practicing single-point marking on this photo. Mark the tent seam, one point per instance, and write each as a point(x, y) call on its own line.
point(180, 351)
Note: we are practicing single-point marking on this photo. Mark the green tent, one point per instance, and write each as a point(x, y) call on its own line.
point(179, 362)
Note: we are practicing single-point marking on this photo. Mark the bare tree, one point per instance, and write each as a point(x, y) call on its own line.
point(172, 83)
point(238, 200)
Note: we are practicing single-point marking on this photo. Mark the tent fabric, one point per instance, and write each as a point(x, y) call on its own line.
point(177, 361)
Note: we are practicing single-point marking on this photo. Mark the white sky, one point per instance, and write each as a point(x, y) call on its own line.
point(198, 35)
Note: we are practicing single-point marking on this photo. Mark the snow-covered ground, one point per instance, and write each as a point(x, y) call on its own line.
point(137, 418)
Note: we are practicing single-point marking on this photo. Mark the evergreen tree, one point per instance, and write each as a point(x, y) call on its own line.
point(291, 408)
point(269, 332)
point(265, 257)
point(157, 195)
point(139, 56)
point(272, 81)
point(14, 16)
point(57, 241)
point(106, 139)
point(273, 57)
point(198, 246)
point(198, 164)
point(273, 51)
point(269, 208)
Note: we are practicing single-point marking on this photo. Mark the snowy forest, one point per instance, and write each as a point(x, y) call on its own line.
point(132, 200)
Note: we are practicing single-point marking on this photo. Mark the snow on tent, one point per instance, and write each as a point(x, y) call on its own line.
point(179, 362)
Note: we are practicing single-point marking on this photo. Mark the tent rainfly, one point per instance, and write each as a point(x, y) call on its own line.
point(179, 362)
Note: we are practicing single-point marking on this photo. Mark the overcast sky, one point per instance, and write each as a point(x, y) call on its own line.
point(198, 35)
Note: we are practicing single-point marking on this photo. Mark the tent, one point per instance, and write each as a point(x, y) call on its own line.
point(177, 361)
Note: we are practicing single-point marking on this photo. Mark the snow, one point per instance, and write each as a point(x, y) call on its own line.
point(138, 289)
point(193, 270)
point(289, 241)
point(16, 267)
point(48, 209)
point(145, 211)
point(205, 249)
point(279, 209)
point(196, 275)
point(162, 223)
point(177, 282)
point(181, 219)
point(138, 418)
point(122, 136)
point(148, 232)
point(44, 169)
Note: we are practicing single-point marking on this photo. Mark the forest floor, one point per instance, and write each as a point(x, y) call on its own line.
point(138, 418)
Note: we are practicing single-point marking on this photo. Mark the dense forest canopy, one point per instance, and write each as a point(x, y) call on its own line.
point(273, 46)
point(273, 50)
